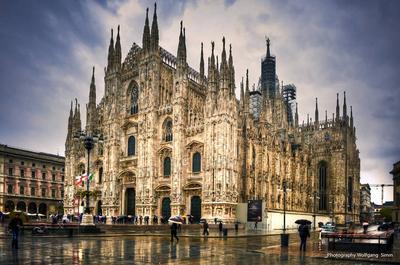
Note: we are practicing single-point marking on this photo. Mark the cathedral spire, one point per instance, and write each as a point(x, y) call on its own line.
point(154, 31)
point(296, 116)
point(211, 66)
point(201, 63)
point(118, 53)
point(146, 33)
point(70, 120)
point(231, 71)
point(316, 112)
point(247, 93)
point(224, 67)
point(247, 80)
point(92, 91)
point(111, 51)
point(181, 54)
point(351, 117)
point(268, 51)
point(337, 107)
point(242, 92)
point(344, 107)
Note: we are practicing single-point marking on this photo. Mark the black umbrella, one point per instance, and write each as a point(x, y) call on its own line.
point(303, 222)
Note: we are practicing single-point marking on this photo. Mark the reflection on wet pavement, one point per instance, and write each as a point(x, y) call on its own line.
point(149, 250)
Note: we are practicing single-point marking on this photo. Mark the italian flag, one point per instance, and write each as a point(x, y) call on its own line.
point(90, 177)
point(79, 179)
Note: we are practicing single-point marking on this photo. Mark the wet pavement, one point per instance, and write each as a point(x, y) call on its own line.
point(156, 250)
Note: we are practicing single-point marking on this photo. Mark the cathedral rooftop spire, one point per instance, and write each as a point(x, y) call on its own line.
point(111, 51)
point(231, 71)
point(337, 107)
point(241, 91)
point(316, 111)
point(181, 54)
point(296, 117)
point(201, 62)
point(146, 33)
point(92, 92)
point(154, 30)
point(344, 106)
point(118, 53)
point(351, 117)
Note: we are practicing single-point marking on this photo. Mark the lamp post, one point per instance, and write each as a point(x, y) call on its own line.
point(315, 196)
point(284, 236)
point(332, 202)
point(89, 139)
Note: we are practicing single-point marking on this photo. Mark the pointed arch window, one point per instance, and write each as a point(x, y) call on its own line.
point(134, 100)
point(131, 145)
point(100, 174)
point(167, 167)
point(196, 163)
point(167, 130)
point(322, 175)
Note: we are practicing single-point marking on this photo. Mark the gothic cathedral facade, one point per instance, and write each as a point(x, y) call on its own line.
point(179, 142)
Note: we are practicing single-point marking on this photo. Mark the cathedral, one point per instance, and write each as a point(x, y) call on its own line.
point(178, 141)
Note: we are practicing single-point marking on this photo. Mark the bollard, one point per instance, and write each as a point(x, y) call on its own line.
point(284, 240)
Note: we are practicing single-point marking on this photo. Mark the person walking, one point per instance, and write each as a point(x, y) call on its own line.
point(205, 228)
point(15, 225)
point(220, 227)
point(174, 232)
point(304, 232)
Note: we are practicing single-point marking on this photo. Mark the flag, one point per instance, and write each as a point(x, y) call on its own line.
point(88, 178)
point(78, 180)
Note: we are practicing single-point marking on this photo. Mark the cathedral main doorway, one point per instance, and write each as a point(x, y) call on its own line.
point(166, 209)
point(195, 208)
point(130, 201)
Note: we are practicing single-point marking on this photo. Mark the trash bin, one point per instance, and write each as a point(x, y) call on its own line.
point(225, 231)
point(284, 240)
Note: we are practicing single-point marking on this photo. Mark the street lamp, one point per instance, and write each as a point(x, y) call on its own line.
point(315, 196)
point(89, 139)
point(284, 236)
point(332, 202)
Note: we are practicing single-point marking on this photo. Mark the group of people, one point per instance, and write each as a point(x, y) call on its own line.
point(137, 220)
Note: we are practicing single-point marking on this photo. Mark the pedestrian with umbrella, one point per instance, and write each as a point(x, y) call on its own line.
point(175, 220)
point(304, 232)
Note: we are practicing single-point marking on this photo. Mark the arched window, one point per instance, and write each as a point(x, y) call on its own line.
point(131, 145)
point(167, 167)
point(167, 130)
point(100, 174)
point(322, 175)
point(196, 163)
point(134, 100)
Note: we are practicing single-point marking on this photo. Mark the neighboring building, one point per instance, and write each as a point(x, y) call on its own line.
point(366, 211)
point(179, 142)
point(30, 181)
point(396, 192)
point(377, 212)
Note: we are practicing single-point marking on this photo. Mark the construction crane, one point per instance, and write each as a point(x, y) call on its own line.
point(380, 186)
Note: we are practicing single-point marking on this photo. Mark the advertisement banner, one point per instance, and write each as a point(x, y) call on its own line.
point(254, 210)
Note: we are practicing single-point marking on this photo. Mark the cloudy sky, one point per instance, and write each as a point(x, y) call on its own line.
point(48, 48)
